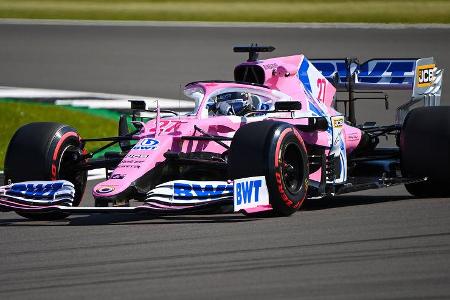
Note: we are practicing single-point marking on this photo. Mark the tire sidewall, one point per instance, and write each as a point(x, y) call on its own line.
point(281, 199)
point(424, 144)
point(66, 139)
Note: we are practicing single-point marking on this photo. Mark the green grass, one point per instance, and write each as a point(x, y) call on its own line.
point(408, 11)
point(89, 123)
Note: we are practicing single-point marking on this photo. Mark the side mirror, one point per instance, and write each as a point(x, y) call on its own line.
point(287, 105)
point(138, 104)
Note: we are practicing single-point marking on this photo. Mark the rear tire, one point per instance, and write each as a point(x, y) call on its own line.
point(45, 151)
point(425, 150)
point(428, 189)
point(274, 150)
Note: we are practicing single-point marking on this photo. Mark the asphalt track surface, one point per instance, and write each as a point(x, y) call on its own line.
point(380, 244)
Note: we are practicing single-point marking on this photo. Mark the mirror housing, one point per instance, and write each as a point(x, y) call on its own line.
point(287, 105)
point(138, 104)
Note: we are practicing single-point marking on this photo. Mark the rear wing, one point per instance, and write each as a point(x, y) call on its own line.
point(419, 75)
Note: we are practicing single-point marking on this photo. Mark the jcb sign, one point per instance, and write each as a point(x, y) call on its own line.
point(425, 75)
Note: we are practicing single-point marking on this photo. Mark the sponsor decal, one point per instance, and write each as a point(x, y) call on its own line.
point(337, 140)
point(166, 126)
point(197, 190)
point(353, 137)
point(129, 166)
point(425, 75)
point(146, 144)
point(35, 190)
point(280, 187)
point(117, 176)
point(226, 96)
point(372, 71)
point(270, 66)
point(250, 192)
point(105, 189)
point(130, 161)
point(137, 155)
point(338, 122)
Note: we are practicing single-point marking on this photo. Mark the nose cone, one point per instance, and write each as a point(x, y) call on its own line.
point(140, 160)
point(112, 188)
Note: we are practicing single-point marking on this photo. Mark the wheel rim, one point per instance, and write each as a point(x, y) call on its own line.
point(66, 164)
point(67, 171)
point(291, 163)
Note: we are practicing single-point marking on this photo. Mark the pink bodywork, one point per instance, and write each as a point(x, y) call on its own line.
point(281, 75)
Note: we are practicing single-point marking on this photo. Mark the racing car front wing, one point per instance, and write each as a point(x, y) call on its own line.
point(247, 195)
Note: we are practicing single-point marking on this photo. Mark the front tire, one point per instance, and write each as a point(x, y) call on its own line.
point(45, 151)
point(274, 150)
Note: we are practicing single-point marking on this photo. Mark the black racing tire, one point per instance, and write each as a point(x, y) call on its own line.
point(425, 150)
point(45, 151)
point(428, 189)
point(274, 150)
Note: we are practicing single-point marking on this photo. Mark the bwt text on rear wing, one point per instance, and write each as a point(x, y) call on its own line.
point(420, 75)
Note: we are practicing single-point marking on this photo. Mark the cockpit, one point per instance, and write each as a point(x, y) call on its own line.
point(232, 101)
point(236, 104)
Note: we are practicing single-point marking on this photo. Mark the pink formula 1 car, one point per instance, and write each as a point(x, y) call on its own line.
point(261, 144)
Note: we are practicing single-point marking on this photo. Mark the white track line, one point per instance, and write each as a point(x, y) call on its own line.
point(90, 100)
point(96, 174)
point(25, 93)
point(124, 104)
point(92, 174)
point(385, 26)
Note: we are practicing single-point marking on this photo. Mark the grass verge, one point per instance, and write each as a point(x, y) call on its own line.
point(89, 123)
point(371, 11)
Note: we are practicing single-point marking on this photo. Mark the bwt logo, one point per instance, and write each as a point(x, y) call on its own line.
point(205, 191)
point(146, 144)
point(21, 189)
point(372, 71)
point(250, 193)
point(246, 191)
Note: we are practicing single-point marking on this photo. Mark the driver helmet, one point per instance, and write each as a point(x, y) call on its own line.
point(233, 103)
